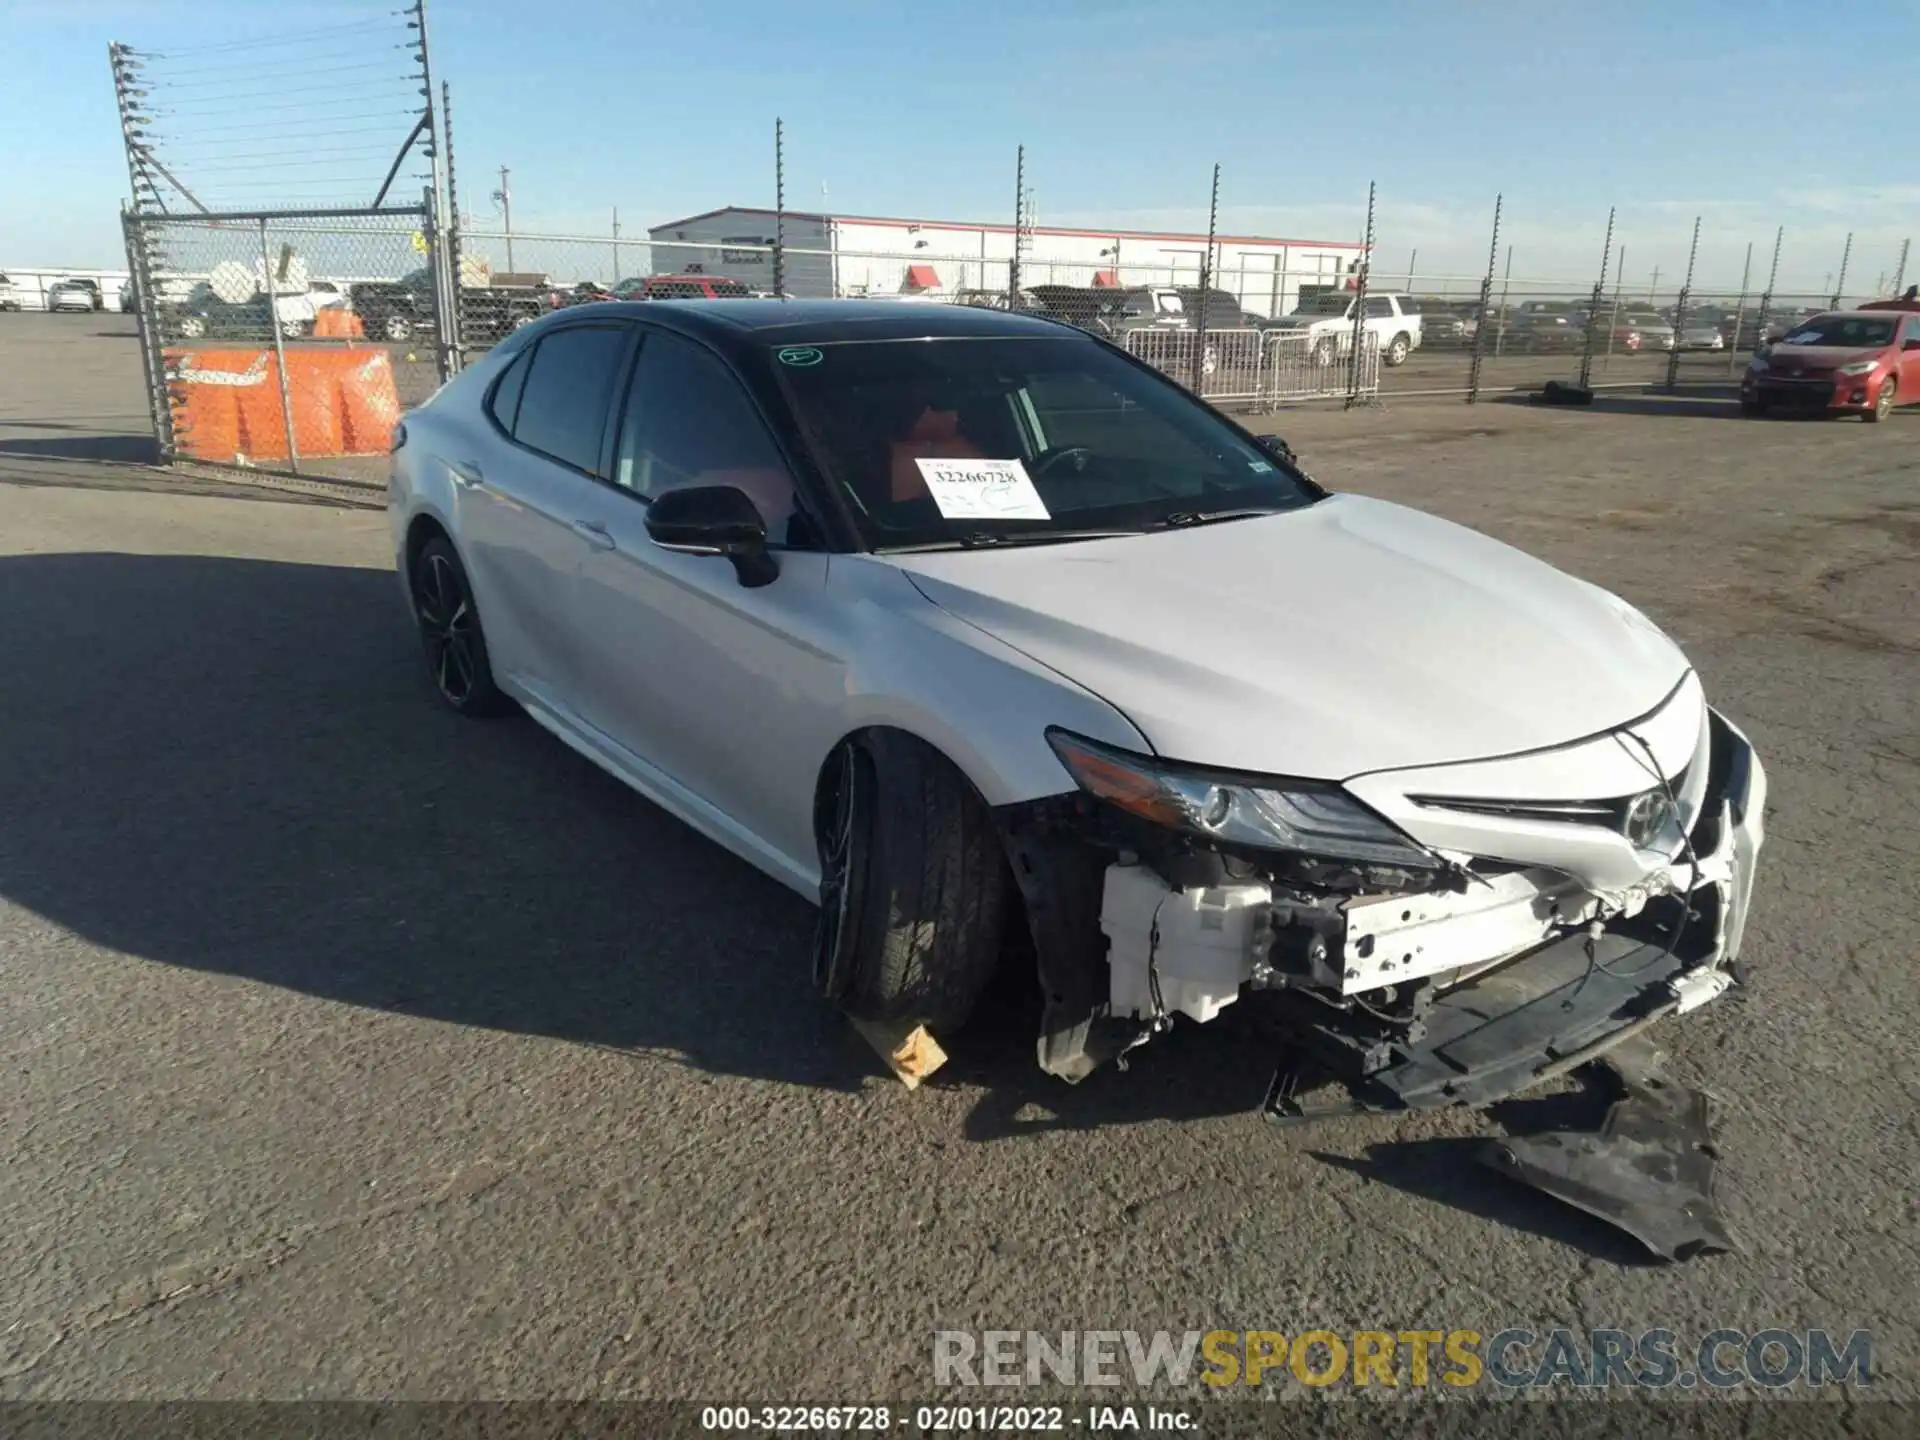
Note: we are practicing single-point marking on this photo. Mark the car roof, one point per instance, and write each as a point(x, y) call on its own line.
point(1843, 315)
point(774, 322)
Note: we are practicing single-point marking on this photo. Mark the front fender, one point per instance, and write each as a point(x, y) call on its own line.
point(983, 704)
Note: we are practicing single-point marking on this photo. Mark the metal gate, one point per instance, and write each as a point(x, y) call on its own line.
point(287, 339)
point(1262, 368)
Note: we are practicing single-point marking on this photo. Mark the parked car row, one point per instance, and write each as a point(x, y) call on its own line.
point(1115, 312)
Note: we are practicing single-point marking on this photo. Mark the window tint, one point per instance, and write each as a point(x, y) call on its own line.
point(1379, 307)
point(1104, 443)
point(688, 421)
point(505, 403)
point(563, 401)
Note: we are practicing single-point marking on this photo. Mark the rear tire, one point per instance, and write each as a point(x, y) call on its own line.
point(450, 633)
point(1398, 349)
point(915, 892)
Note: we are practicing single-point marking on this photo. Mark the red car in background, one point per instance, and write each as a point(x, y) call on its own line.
point(1855, 362)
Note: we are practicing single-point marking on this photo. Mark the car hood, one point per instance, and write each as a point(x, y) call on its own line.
point(1823, 357)
point(1303, 322)
point(1346, 637)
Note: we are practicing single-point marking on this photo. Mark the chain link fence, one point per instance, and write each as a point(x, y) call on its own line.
point(256, 335)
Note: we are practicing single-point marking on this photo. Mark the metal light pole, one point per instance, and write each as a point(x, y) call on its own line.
point(503, 197)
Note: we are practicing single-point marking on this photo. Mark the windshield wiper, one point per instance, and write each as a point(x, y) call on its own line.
point(1185, 519)
point(986, 539)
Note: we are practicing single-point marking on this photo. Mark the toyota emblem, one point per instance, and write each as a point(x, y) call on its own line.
point(1648, 815)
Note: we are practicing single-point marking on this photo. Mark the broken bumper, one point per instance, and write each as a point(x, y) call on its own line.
point(1418, 1001)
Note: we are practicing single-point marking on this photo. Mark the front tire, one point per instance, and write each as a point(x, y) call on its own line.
point(397, 329)
point(1325, 351)
point(1883, 402)
point(450, 635)
point(915, 893)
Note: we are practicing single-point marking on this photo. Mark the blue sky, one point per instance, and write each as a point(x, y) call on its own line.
point(1753, 114)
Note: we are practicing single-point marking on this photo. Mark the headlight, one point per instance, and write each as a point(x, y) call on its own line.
point(1859, 367)
point(1304, 816)
point(1757, 365)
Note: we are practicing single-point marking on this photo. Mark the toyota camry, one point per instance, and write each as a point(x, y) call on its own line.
point(1003, 648)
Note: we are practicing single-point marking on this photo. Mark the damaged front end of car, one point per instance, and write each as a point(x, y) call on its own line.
point(1425, 938)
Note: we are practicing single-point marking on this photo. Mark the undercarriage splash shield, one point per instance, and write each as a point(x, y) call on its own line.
point(1649, 1169)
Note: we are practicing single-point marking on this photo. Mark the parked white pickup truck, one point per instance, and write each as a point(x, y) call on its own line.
point(1328, 318)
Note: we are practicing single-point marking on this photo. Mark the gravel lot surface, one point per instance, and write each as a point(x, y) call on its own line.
point(354, 1049)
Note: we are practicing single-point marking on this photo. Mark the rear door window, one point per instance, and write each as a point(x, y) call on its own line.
point(505, 404)
point(564, 398)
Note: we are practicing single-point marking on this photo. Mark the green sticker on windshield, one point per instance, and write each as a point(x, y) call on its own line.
point(798, 355)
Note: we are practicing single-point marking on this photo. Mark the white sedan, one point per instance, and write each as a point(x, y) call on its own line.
point(996, 643)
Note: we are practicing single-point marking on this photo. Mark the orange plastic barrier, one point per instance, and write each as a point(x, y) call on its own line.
point(226, 403)
point(335, 323)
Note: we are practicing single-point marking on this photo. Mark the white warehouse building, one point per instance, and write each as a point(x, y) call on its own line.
point(829, 256)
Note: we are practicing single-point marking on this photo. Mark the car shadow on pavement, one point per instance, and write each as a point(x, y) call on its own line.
point(112, 449)
point(237, 766)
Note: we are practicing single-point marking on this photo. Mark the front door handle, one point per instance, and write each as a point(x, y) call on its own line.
point(465, 474)
point(594, 532)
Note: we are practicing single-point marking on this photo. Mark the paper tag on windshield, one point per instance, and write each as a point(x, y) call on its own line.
point(982, 490)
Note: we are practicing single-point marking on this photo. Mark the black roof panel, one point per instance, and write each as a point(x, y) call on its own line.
point(778, 322)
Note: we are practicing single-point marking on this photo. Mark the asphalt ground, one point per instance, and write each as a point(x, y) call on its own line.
point(357, 1050)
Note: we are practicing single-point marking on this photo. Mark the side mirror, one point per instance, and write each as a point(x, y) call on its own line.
point(714, 520)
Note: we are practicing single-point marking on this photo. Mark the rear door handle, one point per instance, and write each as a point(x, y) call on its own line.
point(594, 532)
point(465, 474)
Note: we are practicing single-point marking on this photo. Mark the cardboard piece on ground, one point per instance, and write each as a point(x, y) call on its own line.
point(910, 1051)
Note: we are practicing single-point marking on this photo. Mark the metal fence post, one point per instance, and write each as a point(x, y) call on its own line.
point(153, 355)
point(1506, 289)
point(1356, 360)
point(1740, 312)
point(1019, 210)
point(453, 354)
point(1840, 285)
point(279, 345)
point(1900, 273)
point(1599, 299)
point(1486, 299)
point(1766, 296)
point(1206, 273)
point(779, 209)
point(1680, 312)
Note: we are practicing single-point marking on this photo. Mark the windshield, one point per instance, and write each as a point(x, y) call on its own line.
point(1333, 303)
point(931, 441)
point(1851, 330)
